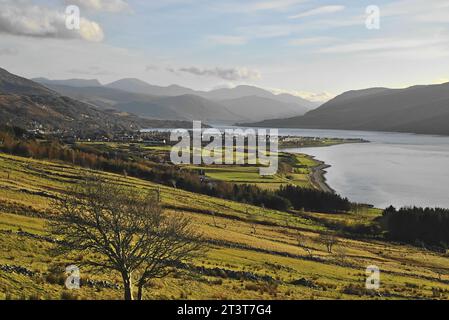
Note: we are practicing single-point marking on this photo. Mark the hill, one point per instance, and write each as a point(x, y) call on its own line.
point(253, 252)
point(418, 109)
point(31, 105)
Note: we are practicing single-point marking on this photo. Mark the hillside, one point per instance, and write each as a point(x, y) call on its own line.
point(69, 82)
point(253, 252)
point(418, 109)
point(257, 108)
point(185, 107)
point(30, 105)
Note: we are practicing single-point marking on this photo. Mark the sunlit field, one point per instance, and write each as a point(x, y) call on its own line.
point(253, 253)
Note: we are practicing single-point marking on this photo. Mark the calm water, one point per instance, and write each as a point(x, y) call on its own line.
point(398, 169)
point(393, 169)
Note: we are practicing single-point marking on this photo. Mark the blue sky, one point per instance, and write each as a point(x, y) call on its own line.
point(315, 49)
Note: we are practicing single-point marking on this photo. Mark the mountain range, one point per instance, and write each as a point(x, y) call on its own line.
point(28, 104)
point(417, 109)
point(229, 105)
point(78, 105)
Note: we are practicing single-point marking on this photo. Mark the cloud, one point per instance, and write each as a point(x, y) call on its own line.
point(151, 67)
point(310, 96)
point(248, 6)
point(274, 4)
point(381, 44)
point(8, 52)
point(91, 71)
point(101, 5)
point(227, 40)
point(267, 31)
point(21, 18)
point(230, 74)
point(316, 96)
point(318, 11)
point(310, 41)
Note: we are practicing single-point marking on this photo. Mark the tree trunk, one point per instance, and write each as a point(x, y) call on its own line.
point(139, 292)
point(128, 287)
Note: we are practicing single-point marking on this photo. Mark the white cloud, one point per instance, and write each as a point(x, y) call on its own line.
point(91, 71)
point(318, 11)
point(311, 96)
point(101, 5)
point(227, 40)
point(24, 19)
point(381, 44)
point(274, 4)
point(230, 74)
point(441, 80)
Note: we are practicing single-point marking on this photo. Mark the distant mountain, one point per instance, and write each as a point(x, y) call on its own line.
point(30, 105)
point(101, 97)
point(242, 103)
point(141, 87)
point(185, 107)
point(418, 109)
point(288, 98)
point(69, 82)
point(248, 91)
point(253, 108)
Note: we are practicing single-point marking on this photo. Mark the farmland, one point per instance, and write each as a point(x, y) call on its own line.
point(253, 252)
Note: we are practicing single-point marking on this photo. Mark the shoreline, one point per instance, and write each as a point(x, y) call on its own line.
point(318, 176)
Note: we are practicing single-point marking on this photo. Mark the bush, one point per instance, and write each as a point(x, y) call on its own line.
point(68, 295)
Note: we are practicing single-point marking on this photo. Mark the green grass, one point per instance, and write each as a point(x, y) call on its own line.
point(406, 272)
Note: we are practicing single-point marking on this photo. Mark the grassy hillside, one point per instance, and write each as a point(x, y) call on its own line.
point(253, 252)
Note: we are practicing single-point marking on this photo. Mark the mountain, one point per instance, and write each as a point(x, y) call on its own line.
point(101, 97)
point(248, 91)
point(254, 108)
point(229, 105)
point(141, 87)
point(27, 104)
point(69, 82)
point(418, 109)
point(185, 107)
point(288, 98)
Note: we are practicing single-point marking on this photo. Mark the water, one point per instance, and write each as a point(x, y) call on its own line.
point(393, 169)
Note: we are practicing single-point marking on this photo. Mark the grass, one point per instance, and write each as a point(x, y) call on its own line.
point(245, 238)
point(297, 169)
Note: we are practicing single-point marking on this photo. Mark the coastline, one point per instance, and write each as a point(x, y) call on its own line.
point(317, 176)
point(318, 173)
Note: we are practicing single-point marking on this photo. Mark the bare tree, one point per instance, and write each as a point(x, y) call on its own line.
point(127, 228)
point(340, 253)
point(302, 243)
point(329, 240)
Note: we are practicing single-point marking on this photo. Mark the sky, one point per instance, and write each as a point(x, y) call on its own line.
point(311, 48)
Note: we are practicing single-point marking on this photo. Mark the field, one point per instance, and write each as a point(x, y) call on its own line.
point(299, 168)
point(293, 168)
point(253, 252)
